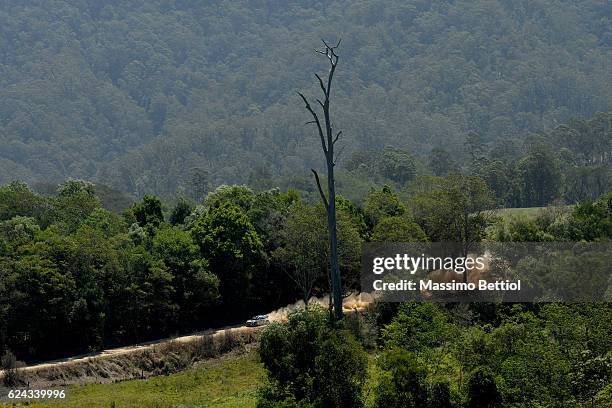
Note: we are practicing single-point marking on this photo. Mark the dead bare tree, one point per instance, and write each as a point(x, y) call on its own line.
point(328, 141)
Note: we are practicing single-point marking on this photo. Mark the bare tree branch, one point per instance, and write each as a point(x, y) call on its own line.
point(337, 137)
point(321, 84)
point(316, 175)
point(316, 120)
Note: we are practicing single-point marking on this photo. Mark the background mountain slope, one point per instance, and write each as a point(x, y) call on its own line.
point(152, 96)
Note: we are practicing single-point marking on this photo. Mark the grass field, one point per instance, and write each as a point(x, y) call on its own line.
point(229, 381)
point(226, 382)
point(515, 213)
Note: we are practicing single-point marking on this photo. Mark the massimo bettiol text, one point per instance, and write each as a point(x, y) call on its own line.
point(507, 272)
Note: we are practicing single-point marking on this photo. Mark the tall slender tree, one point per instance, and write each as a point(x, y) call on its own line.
point(328, 138)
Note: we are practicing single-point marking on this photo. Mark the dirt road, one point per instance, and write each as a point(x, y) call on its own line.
point(354, 302)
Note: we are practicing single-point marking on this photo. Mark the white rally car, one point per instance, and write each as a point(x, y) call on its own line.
point(259, 320)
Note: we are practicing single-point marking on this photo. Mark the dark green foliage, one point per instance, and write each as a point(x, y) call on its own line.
point(94, 278)
point(340, 371)
point(242, 196)
point(588, 221)
point(229, 241)
point(592, 221)
point(482, 389)
point(532, 355)
point(418, 326)
point(382, 203)
point(75, 277)
point(498, 176)
point(148, 211)
point(180, 212)
point(591, 375)
point(539, 177)
point(398, 229)
point(440, 395)
point(16, 199)
point(195, 287)
point(404, 383)
point(454, 209)
point(311, 363)
point(397, 165)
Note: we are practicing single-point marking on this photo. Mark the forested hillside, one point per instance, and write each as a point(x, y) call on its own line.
point(176, 96)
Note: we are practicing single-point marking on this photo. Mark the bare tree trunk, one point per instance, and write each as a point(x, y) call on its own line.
point(328, 141)
point(333, 242)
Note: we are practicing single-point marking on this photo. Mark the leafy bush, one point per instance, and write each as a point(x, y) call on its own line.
point(309, 362)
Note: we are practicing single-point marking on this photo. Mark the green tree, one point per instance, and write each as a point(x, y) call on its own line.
point(228, 240)
point(441, 162)
point(592, 221)
point(397, 165)
point(195, 287)
point(180, 212)
point(148, 211)
point(591, 375)
point(403, 382)
point(440, 395)
point(539, 177)
point(498, 178)
point(458, 210)
point(310, 363)
point(303, 253)
point(382, 203)
point(418, 326)
point(340, 371)
point(398, 229)
point(75, 200)
point(242, 196)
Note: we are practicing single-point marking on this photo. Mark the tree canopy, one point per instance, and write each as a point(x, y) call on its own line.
point(163, 97)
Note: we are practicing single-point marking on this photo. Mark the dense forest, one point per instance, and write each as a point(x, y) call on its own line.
point(75, 277)
point(176, 96)
point(94, 278)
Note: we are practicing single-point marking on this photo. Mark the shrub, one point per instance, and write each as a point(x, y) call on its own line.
point(309, 362)
point(340, 371)
point(11, 367)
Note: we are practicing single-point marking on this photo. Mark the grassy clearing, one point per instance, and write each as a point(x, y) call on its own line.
point(225, 382)
point(508, 214)
point(229, 381)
